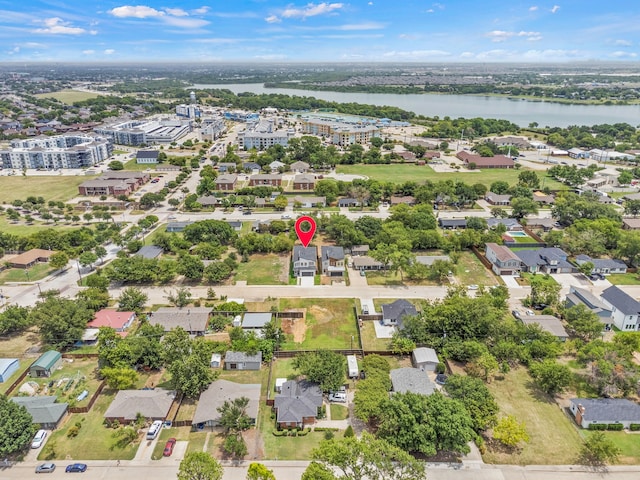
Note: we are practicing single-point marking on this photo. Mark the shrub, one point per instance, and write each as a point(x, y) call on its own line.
point(634, 427)
point(615, 426)
point(440, 368)
point(73, 432)
point(349, 432)
point(328, 435)
point(597, 426)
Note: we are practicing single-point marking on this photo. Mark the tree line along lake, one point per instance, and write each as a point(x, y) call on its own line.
point(520, 112)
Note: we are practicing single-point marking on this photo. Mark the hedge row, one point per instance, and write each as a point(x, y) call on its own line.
point(610, 426)
point(634, 427)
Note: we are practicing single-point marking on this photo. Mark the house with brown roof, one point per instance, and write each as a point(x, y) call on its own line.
point(631, 223)
point(29, 258)
point(503, 260)
point(226, 182)
point(305, 181)
point(497, 161)
point(114, 183)
point(194, 320)
point(273, 180)
point(151, 404)
point(497, 199)
point(407, 199)
point(299, 167)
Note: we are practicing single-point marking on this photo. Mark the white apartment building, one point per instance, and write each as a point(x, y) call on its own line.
point(263, 134)
point(339, 133)
point(148, 132)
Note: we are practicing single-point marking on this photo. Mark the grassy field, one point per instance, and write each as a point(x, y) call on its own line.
point(624, 278)
point(68, 96)
point(58, 188)
point(330, 323)
point(131, 165)
point(553, 438)
point(339, 412)
point(37, 272)
point(629, 445)
point(369, 339)
point(469, 271)
point(92, 432)
point(22, 229)
point(263, 270)
point(400, 173)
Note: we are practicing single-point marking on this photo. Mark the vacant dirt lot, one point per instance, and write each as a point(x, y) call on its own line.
point(295, 326)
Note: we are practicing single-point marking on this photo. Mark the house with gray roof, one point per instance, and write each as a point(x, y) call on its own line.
point(412, 380)
point(299, 167)
point(497, 199)
point(297, 404)
point(625, 310)
point(425, 358)
point(251, 167)
point(452, 223)
point(305, 261)
point(242, 361)
point(511, 224)
point(149, 252)
point(276, 165)
point(192, 319)
point(545, 224)
point(548, 323)
point(46, 364)
point(393, 313)
point(176, 227)
point(365, 262)
point(45, 411)
point(151, 404)
point(587, 411)
point(580, 296)
point(603, 265)
point(255, 321)
point(221, 391)
point(545, 260)
point(332, 258)
point(429, 260)
point(358, 250)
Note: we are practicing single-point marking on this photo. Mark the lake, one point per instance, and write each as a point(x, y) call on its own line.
point(520, 112)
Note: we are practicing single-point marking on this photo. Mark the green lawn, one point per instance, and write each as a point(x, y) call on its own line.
point(283, 368)
point(400, 173)
point(37, 272)
point(470, 271)
point(339, 412)
point(54, 187)
point(554, 440)
point(369, 339)
point(131, 165)
point(263, 270)
point(330, 323)
point(22, 229)
point(69, 96)
point(624, 278)
point(94, 441)
point(384, 278)
point(545, 277)
point(629, 445)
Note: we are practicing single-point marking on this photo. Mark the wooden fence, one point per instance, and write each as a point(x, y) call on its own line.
point(91, 401)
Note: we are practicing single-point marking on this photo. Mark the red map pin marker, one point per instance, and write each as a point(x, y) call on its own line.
point(305, 236)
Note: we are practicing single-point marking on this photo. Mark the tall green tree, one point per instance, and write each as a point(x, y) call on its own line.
point(16, 427)
point(510, 432)
point(324, 367)
point(599, 450)
point(61, 321)
point(257, 471)
point(476, 397)
point(199, 466)
point(551, 376)
point(132, 299)
point(58, 260)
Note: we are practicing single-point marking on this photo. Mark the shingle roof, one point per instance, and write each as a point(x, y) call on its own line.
point(242, 357)
point(609, 409)
point(621, 300)
point(149, 251)
point(191, 319)
point(223, 390)
point(548, 323)
point(256, 319)
point(542, 256)
point(453, 222)
point(327, 252)
point(305, 253)
point(398, 309)
point(297, 400)
point(502, 253)
point(150, 403)
point(425, 355)
point(411, 380)
point(43, 409)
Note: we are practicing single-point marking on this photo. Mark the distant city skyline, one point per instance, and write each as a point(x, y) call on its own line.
point(301, 31)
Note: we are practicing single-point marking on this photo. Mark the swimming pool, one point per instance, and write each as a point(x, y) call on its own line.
point(517, 234)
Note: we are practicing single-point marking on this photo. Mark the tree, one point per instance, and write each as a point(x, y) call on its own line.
point(551, 376)
point(544, 290)
point(233, 415)
point(529, 179)
point(119, 378)
point(62, 321)
point(585, 268)
point(58, 260)
point(180, 297)
point(500, 187)
point(521, 207)
point(324, 367)
point(14, 319)
point(477, 399)
point(16, 427)
point(510, 432)
point(132, 299)
point(599, 450)
point(176, 345)
point(199, 466)
point(100, 252)
point(116, 165)
point(485, 366)
point(583, 322)
point(281, 202)
point(87, 259)
point(192, 374)
point(625, 177)
point(367, 458)
point(257, 471)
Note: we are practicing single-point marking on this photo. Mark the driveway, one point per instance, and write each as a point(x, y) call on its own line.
point(510, 281)
point(306, 281)
point(571, 280)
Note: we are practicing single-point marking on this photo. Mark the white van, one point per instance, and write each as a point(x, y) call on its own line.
point(154, 429)
point(38, 440)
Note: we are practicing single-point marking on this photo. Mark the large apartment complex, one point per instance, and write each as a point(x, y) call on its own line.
point(147, 132)
point(263, 134)
point(52, 153)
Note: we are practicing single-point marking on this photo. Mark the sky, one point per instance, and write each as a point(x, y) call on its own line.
point(301, 31)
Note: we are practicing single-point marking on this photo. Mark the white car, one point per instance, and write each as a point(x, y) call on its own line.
point(339, 397)
point(38, 440)
point(473, 287)
point(530, 312)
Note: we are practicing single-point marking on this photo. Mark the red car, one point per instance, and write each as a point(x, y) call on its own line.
point(168, 448)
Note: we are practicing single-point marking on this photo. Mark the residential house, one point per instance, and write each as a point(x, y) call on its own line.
point(358, 250)
point(235, 224)
point(149, 252)
point(580, 296)
point(503, 260)
point(299, 167)
point(425, 359)
point(305, 261)
point(151, 404)
point(194, 320)
point(603, 265)
point(227, 167)
point(44, 410)
point(219, 392)
point(548, 323)
point(411, 380)
point(631, 223)
point(242, 361)
point(297, 404)
point(452, 223)
point(497, 199)
point(276, 165)
point(429, 260)
point(511, 224)
point(305, 181)
point(308, 202)
point(251, 167)
point(119, 321)
point(8, 366)
point(332, 258)
point(587, 411)
point(406, 199)
point(208, 201)
point(270, 179)
point(511, 141)
point(497, 161)
point(394, 313)
point(177, 227)
point(147, 157)
point(625, 310)
point(543, 199)
point(545, 224)
point(29, 258)
point(256, 321)
point(348, 202)
point(365, 262)
point(545, 260)
point(226, 182)
point(46, 364)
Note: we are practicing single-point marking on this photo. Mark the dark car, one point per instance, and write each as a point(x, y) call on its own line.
point(441, 379)
point(46, 468)
point(515, 313)
point(168, 448)
point(76, 468)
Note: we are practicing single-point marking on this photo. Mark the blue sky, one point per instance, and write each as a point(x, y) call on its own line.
point(302, 31)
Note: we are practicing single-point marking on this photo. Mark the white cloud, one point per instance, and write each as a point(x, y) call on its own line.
point(361, 26)
point(370, 3)
point(555, 8)
point(623, 43)
point(88, 52)
point(417, 54)
point(185, 22)
point(201, 10)
point(502, 36)
point(311, 10)
point(56, 26)
point(138, 11)
point(176, 12)
point(272, 19)
point(620, 54)
point(109, 51)
point(533, 8)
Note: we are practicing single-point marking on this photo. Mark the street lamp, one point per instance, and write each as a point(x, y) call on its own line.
point(39, 289)
point(79, 273)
